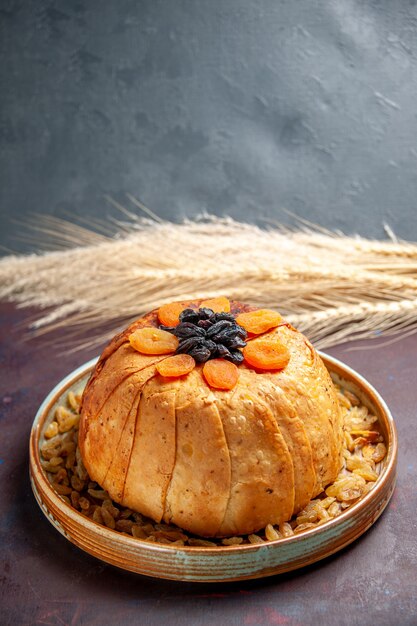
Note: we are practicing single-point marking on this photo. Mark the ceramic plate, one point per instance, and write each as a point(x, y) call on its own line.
point(225, 563)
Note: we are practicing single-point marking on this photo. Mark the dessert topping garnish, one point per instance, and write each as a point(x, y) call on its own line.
point(175, 366)
point(151, 340)
point(259, 321)
point(266, 354)
point(168, 314)
point(204, 335)
point(218, 305)
point(220, 374)
point(213, 336)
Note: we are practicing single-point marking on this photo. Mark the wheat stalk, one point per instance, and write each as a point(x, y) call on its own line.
point(358, 321)
point(335, 288)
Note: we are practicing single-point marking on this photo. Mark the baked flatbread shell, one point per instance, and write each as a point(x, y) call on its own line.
point(216, 463)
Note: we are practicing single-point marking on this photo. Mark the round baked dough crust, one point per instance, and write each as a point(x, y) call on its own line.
point(216, 463)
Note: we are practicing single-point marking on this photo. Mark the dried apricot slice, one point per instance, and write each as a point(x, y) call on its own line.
point(259, 321)
point(150, 340)
point(220, 374)
point(169, 314)
point(266, 354)
point(218, 305)
point(175, 366)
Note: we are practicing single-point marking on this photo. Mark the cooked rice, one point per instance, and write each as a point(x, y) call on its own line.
point(364, 450)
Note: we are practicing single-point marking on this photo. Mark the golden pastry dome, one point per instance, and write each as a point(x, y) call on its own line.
point(215, 436)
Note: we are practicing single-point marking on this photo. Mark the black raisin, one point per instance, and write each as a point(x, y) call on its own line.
point(205, 324)
point(211, 345)
point(236, 342)
point(222, 351)
point(241, 331)
point(186, 329)
point(200, 353)
point(185, 345)
point(204, 334)
point(205, 313)
point(224, 316)
point(218, 327)
point(235, 356)
point(225, 336)
point(189, 315)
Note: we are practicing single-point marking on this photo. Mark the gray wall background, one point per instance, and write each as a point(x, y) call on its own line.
point(238, 107)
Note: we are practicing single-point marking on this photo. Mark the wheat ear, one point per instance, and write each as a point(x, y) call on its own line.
point(335, 288)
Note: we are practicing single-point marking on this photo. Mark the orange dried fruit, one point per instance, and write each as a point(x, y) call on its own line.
point(175, 366)
point(150, 340)
point(220, 374)
point(169, 314)
point(218, 305)
point(259, 321)
point(266, 354)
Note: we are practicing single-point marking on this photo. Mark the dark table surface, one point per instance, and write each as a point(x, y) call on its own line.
point(46, 580)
